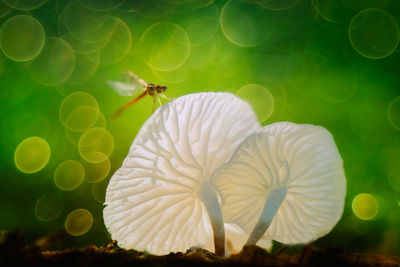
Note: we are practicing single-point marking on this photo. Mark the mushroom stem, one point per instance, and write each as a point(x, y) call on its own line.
point(271, 206)
point(210, 200)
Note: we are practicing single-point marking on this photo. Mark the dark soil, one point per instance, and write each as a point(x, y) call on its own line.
point(15, 252)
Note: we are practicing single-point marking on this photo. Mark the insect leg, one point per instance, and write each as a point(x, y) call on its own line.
point(165, 97)
point(154, 103)
point(159, 101)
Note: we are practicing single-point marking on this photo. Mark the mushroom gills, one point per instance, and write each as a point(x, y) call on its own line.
point(271, 206)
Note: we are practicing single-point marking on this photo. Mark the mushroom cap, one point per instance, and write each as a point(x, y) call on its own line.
point(152, 201)
point(299, 162)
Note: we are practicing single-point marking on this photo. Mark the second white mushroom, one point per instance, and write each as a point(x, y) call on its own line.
point(285, 183)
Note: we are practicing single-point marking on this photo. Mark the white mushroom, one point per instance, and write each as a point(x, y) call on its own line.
point(160, 200)
point(285, 183)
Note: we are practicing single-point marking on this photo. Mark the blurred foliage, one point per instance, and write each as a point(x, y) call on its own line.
point(334, 63)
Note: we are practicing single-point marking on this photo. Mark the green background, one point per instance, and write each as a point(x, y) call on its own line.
point(332, 63)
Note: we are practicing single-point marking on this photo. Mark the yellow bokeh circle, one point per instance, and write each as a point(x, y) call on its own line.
point(118, 45)
point(365, 206)
point(4, 10)
point(97, 5)
point(74, 101)
point(74, 136)
point(78, 222)
point(99, 191)
point(260, 98)
point(82, 118)
point(374, 33)
point(393, 113)
point(48, 207)
point(69, 175)
point(95, 145)
point(83, 47)
point(165, 45)
point(96, 172)
point(358, 5)
point(243, 23)
point(277, 5)
point(32, 154)
point(87, 25)
point(55, 63)
point(86, 65)
point(24, 5)
point(22, 38)
point(334, 84)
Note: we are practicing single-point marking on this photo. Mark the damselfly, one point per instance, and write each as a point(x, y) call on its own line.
point(131, 84)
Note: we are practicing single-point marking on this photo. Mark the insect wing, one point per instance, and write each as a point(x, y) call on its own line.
point(129, 85)
point(130, 77)
point(126, 89)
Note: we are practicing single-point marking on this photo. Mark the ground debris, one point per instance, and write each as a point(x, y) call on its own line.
point(14, 252)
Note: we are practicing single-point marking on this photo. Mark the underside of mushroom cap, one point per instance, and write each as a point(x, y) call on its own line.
point(290, 174)
point(152, 201)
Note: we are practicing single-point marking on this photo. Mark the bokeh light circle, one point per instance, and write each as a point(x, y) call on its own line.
point(82, 118)
point(335, 84)
point(96, 172)
point(260, 98)
point(393, 176)
point(69, 175)
point(299, 68)
point(78, 222)
point(4, 9)
point(22, 38)
point(365, 206)
point(358, 5)
point(202, 55)
point(152, 9)
point(75, 14)
point(243, 24)
point(233, 60)
point(76, 100)
point(1, 64)
point(83, 47)
point(367, 118)
point(97, 26)
point(202, 29)
point(118, 44)
point(55, 64)
point(99, 191)
point(85, 66)
point(74, 136)
point(334, 12)
point(103, 5)
point(32, 154)
point(95, 145)
point(277, 5)
point(166, 46)
point(202, 25)
point(48, 207)
point(24, 5)
point(374, 33)
point(393, 113)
